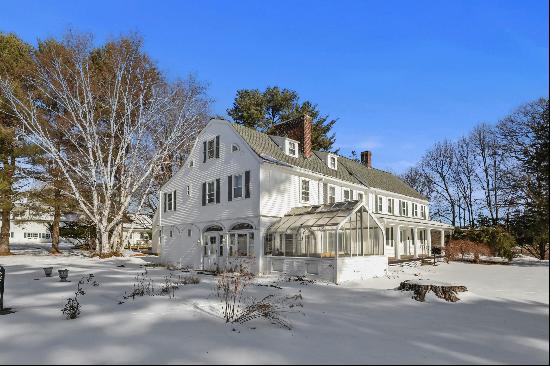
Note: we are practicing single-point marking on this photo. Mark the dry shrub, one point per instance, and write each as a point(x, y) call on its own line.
point(271, 307)
point(459, 249)
point(229, 289)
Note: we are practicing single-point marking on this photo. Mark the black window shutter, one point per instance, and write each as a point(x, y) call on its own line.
point(204, 151)
point(165, 198)
point(230, 188)
point(247, 184)
point(218, 190)
point(174, 200)
point(204, 194)
point(217, 147)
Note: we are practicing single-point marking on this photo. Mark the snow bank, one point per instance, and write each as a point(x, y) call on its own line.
point(502, 319)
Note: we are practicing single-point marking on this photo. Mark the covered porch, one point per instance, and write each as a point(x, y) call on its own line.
point(408, 238)
point(337, 242)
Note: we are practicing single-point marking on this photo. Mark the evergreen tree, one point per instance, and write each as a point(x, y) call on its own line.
point(263, 110)
point(15, 151)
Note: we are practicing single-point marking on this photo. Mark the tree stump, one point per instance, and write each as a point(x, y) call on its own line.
point(445, 291)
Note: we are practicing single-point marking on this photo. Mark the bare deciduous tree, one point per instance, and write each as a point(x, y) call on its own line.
point(121, 119)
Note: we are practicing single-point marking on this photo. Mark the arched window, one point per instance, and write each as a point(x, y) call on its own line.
point(242, 226)
point(213, 228)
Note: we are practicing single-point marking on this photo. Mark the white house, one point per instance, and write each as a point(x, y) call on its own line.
point(29, 226)
point(272, 203)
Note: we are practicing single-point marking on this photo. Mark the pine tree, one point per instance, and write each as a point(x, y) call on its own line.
point(263, 110)
point(15, 150)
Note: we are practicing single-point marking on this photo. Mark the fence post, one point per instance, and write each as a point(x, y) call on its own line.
point(2, 279)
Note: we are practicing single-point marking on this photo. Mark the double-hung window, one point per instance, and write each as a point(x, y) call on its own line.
point(211, 149)
point(332, 162)
point(304, 190)
point(292, 148)
point(390, 206)
point(415, 209)
point(211, 192)
point(423, 211)
point(379, 207)
point(170, 201)
point(404, 208)
point(346, 193)
point(331, 194)
point(360, 196)
point(238, 186)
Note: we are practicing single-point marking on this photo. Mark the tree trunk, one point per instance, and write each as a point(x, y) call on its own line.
point(55, 227)
point(104, 245)
point(5, 232)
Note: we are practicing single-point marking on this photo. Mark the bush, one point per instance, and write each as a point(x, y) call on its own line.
point(461, 248)
point(497, 238)
point(71, 310)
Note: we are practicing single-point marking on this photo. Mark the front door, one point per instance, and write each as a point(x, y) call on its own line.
point(210, 254)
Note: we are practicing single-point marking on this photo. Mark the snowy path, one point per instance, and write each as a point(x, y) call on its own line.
point(502, 319)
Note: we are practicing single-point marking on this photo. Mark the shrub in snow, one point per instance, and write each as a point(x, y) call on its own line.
point(71, 310)
point(497, 238)
point(459, 249)
point(229, 289)
point(270, 307)
point(236, 308)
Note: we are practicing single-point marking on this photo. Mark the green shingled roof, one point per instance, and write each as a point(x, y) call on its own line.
point(348, 170)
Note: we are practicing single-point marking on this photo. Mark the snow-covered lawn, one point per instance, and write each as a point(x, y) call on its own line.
point(503, 318)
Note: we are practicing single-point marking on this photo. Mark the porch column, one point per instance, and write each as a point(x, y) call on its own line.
point(397, 241)
point(429, 238)
point(415, 242)
point(442, 238)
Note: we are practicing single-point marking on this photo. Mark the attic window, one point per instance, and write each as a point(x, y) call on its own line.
point(292, 148)
point(332, 162)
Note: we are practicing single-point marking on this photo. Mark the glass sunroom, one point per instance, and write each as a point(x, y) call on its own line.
point(324, 233)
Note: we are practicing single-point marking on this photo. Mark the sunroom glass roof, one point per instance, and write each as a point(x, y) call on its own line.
point(319, 216)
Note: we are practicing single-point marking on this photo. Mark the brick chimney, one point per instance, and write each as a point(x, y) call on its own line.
point(366, 158)
point(298, 129)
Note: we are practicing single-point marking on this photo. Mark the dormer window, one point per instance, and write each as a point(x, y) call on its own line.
point(332, 162)
point(292, 148)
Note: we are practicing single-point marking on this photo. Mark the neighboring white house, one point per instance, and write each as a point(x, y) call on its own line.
point(136, 231)
point(28, 226)
point(272, 203)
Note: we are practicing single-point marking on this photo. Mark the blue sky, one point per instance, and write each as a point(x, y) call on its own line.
point(399, 75)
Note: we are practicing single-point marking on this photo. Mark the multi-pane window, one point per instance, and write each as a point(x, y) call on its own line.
point(415, 209)
point(211, 149)
point(404, 208)
point(331, 194)
point(379, 204)
point(169, 201)
point(305, 190)
point(346, 195)
point(188, 190)
point(360, 196)
point(292, 148)
point(423, 211)
point(332, 162)
point(390, 206)
point(238, 186)
point(210, 192)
